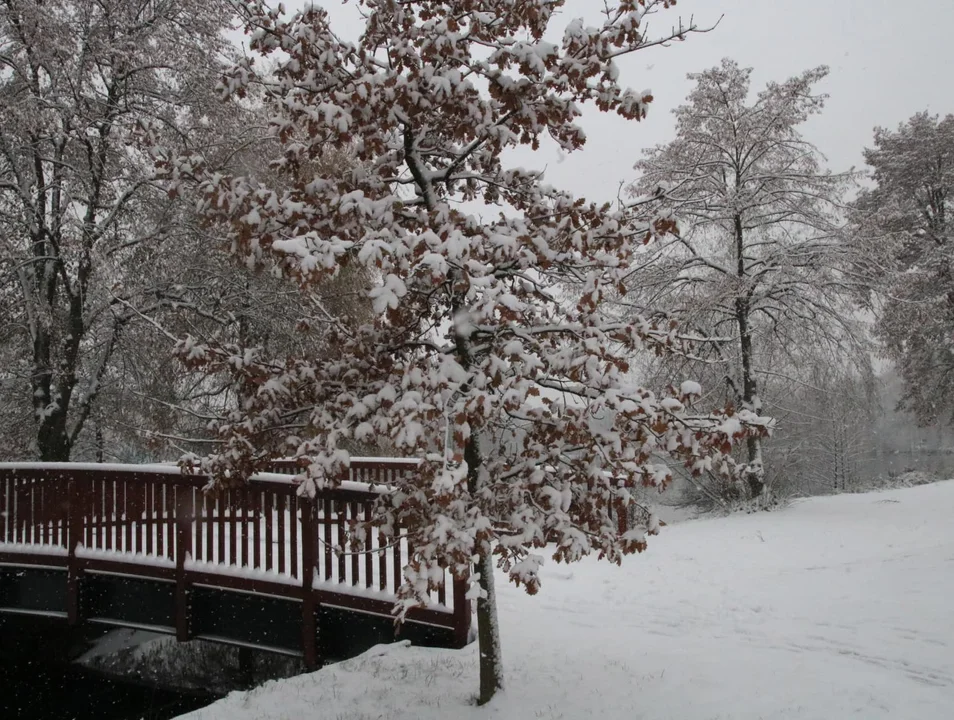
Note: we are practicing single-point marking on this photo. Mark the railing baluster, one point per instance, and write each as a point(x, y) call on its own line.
point(398, 564)
point(35, 511)
point(342, 510)
point(246, 531)
point(257, 530)
point(62, 512)
point(293, 530)
point(210, 501)
point(159, 515)
point(93, 521)
point(104, 512)
point(53, 499)
point(326, 522)
point(220, 526)
point(282, 532)
point(150, 524)
point(198, 517)
point(27, 514)
point(172, 491)
point(355, 559)
point(14, 510)
point(128, 516)
point(368, 548)
point(42, 517)
point(22, 510)
point(119, 525)
point(233, 532)
point(109, 499)
point(269, 503)
point(382, 562)
point(139, 492)
point(32, 511)
point(4, 508)
point(86, 510)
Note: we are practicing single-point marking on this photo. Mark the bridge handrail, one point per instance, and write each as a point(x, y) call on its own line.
point(153, 520)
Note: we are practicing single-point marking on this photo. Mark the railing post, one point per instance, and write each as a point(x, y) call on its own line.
point(462, 612)
point(309, 608)
point(622, 518)
point(74, 531)
point(185, 511)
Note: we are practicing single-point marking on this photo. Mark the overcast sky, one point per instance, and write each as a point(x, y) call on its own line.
point(888, 60)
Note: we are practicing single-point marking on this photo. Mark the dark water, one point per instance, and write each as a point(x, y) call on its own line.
point(46, 691)
point(39, 681)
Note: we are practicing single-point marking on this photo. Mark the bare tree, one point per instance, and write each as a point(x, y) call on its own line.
point(83, 83)
point(755, 267)
point(828, 418)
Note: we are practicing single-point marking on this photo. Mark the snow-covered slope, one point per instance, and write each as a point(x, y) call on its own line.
point(834, 608)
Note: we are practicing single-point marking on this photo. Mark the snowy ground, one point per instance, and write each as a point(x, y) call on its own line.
point(834, 608)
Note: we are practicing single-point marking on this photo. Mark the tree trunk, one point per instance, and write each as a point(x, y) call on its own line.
point(100, 443)
point(488, 628)
point(52, 439)
point(754, 476)
point(488, 631)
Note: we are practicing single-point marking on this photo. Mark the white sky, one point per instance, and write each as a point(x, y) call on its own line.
point(886, 64)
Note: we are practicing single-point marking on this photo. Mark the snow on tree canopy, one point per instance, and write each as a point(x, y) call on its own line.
point(901, 229)
point(486, 355)
point(759, 220)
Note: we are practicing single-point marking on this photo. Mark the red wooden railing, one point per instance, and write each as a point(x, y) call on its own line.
point(151, 521)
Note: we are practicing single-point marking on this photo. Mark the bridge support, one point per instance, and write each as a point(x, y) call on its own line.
point(462, 612)
point(185, 515)
point(309, 608)
point(74, 531)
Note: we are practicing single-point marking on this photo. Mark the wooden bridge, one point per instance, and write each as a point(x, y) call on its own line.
point(258, 566)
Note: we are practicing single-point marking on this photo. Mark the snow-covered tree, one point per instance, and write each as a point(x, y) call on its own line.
point(902, 230)
point(151, 406)
point(85, 87)
point(516, 398)
point(755, 268)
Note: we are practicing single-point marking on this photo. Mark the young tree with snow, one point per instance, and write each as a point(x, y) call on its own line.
point(902, 231)
point(86, 86)
point(755, 268)
point(515, 397)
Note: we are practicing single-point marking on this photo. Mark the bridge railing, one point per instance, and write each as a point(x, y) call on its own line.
point(152, 521)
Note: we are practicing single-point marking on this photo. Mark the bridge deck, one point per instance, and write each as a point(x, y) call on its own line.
point(145, 546)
